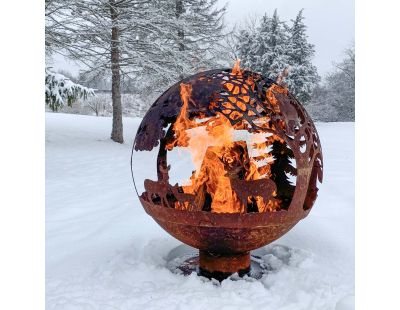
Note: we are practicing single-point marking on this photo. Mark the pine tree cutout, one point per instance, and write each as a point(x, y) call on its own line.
point(279, 168)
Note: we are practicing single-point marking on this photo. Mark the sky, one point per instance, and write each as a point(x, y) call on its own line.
point(330, 25)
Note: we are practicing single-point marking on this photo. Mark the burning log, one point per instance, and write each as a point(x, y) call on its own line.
point(220, 165)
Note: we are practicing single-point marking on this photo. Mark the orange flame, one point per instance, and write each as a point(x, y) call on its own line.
point(236, 70)
point(182, 122)
point(219, 158)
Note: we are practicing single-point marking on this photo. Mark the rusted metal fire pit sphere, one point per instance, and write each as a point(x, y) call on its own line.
point(243, 194)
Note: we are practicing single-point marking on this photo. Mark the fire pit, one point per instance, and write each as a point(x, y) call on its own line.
point(252, 159)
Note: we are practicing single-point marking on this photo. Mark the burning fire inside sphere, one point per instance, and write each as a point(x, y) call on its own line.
point(251, 156)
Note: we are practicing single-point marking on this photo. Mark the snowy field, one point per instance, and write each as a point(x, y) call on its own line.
point(104, 252)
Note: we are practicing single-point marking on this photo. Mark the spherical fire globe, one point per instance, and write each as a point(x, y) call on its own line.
point(227, 161)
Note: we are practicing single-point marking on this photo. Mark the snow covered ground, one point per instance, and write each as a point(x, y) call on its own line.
point(104, 252)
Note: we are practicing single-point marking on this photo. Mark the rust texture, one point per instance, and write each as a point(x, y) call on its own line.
point(248, 101)
point(220, 266)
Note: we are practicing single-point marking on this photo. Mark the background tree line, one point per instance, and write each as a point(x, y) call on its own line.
point(144, 46)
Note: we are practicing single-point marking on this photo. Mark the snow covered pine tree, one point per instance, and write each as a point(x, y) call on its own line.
point(59, 90)
point(267, 51)
point(274, 46)
point(303, 76)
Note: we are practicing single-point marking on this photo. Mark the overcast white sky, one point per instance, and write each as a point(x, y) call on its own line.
point(330, 25)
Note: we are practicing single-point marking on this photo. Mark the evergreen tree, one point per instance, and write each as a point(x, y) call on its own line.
point(276, 56)
point(244, 48)
point(303, 76)
point(267, 51)
point(274, 46)
point(60, 90)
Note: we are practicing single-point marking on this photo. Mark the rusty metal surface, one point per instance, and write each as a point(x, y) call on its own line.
point(222, 233)
point(221, 266)
point(255, 98)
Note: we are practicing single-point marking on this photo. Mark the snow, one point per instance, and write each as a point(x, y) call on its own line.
point(104, 252)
